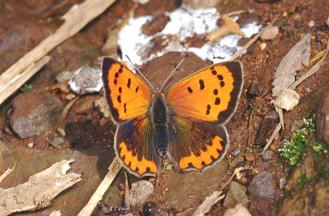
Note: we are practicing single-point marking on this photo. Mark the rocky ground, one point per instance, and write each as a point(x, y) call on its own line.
point(47, 120)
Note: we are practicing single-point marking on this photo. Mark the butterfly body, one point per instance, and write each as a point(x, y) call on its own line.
point(160, 119)
point(185, 125)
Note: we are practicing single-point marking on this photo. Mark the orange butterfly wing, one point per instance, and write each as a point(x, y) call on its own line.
point(127, 95)
point(134, 147)
point(210, 94)
point(202, 103)
point(196, 145)
point(129, 99)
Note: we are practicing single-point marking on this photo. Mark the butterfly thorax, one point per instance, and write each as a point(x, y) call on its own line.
point(159, 119)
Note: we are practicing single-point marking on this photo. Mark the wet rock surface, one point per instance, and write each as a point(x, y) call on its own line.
point(35, 112)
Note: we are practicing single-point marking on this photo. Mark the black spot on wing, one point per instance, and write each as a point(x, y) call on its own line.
point(201, 82)
point(220, 77)
point(215, 91)
point(189, 89)
point(120, 90)
point(208, 109)
point(217, 101)
point(129, 83)
point(137, 88)
point(119, 99)
point(222, 83)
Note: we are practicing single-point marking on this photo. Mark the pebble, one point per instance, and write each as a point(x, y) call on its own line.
point(30, 145)
point(139, 193)
point(86, 80)
point(250, 157)
point(102, 107)
point(311, 24)
point(238, 210)
point(36, 115)
point(287, 99)
point(56, 142)
point(261, 186)
point(235, 152)
point(268, 155)
point(61, 132)
point(149, 209)
point(269, 33)
point(236, 194)
point(322, 120)
point(282, 183)
point(262, 46)
point(327, 21)
point(64, 76)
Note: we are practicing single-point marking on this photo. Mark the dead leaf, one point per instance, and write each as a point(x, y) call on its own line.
point(229, 27)
point(297, 56)
point(39, 190)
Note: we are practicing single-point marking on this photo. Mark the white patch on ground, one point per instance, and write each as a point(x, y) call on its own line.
point(184, 22)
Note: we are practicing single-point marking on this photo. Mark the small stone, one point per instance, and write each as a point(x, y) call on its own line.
point(139, 193)
point(287, 99)
point(30, 145)
point(262, 186)
point(322, 120)
point(235, 152)
point(268, 155)
point(238, 210)
point(64, 76)
point(262, 46)
point(36, 115)
point(70, 97)
point(282, 183)
point(86, 80)
point(255, 89)
point(149, 209)
point(250, 157)
point(327, 21)
point(56, 142)
point(269, 33)
point(102, 107)
point(236, 194)
point(61, 132)
point(311, 24)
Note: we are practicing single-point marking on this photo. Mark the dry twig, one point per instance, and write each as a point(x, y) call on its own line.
point(114, 169)
point(75, 19)
point(6, 173)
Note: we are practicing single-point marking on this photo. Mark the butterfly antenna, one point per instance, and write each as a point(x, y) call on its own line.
point(175, 69)
point(135, 66)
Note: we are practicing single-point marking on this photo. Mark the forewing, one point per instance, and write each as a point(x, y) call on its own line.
point(134, 148)
point(210, 94)
point(196, 145)
point(127, 95)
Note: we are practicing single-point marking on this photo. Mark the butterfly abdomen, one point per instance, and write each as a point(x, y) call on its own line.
point(160, 128)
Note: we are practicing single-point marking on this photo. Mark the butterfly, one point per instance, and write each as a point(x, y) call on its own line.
point(186, 125)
